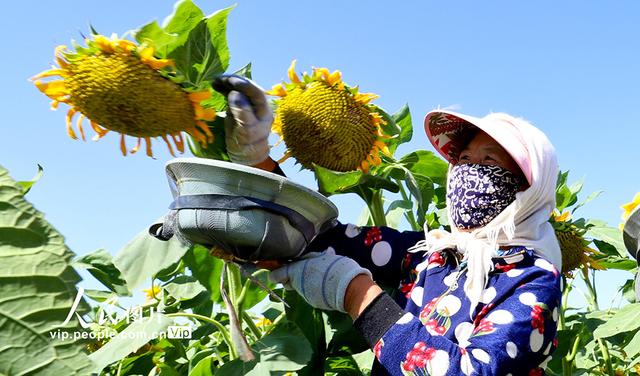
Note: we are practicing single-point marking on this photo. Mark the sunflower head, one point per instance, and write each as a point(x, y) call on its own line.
point(629, 207)
point(117, 85)
point(575, 249)
point(323, 121)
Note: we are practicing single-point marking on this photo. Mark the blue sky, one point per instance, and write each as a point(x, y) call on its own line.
point(569, 67)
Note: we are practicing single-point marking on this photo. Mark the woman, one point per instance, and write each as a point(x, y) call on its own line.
point(482, 299)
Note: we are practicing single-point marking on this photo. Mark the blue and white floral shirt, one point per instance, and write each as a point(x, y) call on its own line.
point(427, 328)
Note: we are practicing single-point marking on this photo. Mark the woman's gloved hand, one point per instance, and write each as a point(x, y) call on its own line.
point(248, 122)
point(321, 278)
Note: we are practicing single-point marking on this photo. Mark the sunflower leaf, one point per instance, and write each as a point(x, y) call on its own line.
point(26, 185)
point(174, 31)
point(145, 255)
point(37, 286)
point(625, 320)
point(426, 163)
point(205, 53)
point(100, 264)
point(402, 118)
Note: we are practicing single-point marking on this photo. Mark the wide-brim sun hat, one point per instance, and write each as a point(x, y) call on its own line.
point(249, 213)
point(447, 131)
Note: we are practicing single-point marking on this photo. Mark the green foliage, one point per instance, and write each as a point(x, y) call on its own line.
point(28, 184)
point(145, 256)
point(100, 264)
point(133, 337)
point(37, 286)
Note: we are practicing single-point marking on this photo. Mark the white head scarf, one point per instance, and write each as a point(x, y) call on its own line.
point(525, 222)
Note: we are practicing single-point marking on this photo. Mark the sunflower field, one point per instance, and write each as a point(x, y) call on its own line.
point(207, 316)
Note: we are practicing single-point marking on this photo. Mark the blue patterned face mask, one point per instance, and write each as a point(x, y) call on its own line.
point(478, 193)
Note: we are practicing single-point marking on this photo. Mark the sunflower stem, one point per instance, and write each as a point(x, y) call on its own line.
point(376, 208)
point(593, 303)
point(408, 214)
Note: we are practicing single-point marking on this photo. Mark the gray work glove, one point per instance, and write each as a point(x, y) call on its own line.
point(321, 278)
point(248, 121)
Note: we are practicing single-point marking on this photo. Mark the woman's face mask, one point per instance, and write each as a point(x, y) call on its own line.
point(478, 193)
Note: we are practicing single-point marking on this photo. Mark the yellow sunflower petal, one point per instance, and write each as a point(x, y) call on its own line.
point(199, 96)
point(321, 73)
point(59, 55)
point(334, 78)
point(147, 143)
point(53, 89)
point(137, 147)
point(100, 132)
point(49, 73)
point(123, 146)
point(104, 43)
point(54, 104)
point(198, 136)
point(365, 98)
point(207, 114)
point(177, 139)
point(204, 127)
point(166, 140)
point(562, 217)
point(364, 166)
point(630, 206)
point(79, 126)
point(126, 45)
point(70, 131)
point(292, 73)
point(277, 90)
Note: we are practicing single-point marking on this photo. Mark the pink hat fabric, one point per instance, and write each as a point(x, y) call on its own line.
point(446, 130)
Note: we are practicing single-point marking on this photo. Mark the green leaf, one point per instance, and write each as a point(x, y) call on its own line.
point(609, 235)
point(204, 367)
point(633, 347)
point(426, 163)
point(175, 30)
point(184, 287)
point(311, 323)
point(628, 290)
point(589, 198)
point(617, 262)
point(145, 256)
point(205, 53)
point(364, 360)
point(625, 320)
point(129, 340)
point(334, 182)
point(255, 293)
point(402, 118)
point(345, 338)
point(206, 269)
point(396, 210)
point(285, 348)
point(26, 185)
point(37, 291)
point(100, 264)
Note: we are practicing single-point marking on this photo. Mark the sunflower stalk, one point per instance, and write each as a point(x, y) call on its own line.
point(592, 300)
point(376, 208)
point(408, 214)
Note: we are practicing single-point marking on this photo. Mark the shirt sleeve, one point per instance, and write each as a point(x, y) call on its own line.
point(515, 336)
point(381, 250)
